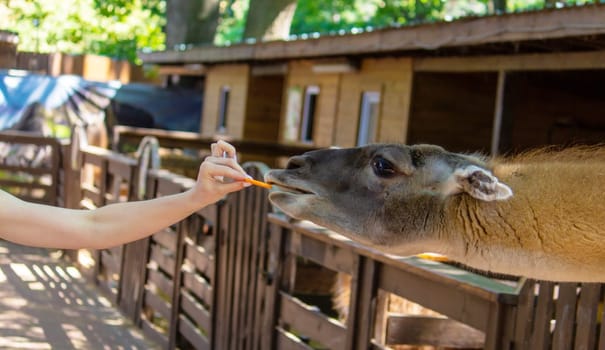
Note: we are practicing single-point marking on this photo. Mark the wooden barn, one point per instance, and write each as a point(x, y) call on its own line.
point(498, 83)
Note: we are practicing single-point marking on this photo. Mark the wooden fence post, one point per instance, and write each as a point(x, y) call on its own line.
point(273, 277)
point(136, 254)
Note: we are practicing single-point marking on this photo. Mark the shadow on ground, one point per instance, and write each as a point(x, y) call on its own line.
point(46, 304)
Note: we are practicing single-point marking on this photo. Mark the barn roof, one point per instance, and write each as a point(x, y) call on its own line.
point(572, 29)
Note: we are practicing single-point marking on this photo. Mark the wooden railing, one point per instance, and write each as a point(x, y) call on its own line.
point(126, 139)
point(30, 166)
point(226, 278)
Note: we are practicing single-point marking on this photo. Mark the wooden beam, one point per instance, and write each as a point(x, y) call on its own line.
point(427, 330)
point(526, 62)
point(187, 69)
point(535, 25)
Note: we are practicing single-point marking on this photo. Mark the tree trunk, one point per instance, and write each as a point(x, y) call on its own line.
point(191, 22)
point(499, 6)
point(269, 19)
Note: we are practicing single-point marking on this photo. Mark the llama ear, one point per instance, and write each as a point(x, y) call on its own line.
point(481, 184)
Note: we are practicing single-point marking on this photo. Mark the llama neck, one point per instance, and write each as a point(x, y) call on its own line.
point(552, 228)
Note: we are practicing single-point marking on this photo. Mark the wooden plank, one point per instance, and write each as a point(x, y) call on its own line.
point(180, 139)
point(238, 289)
point(111, 263)
point(330, 256)
point(91, 157)
point(167, 186)
point(376, 346)
point(273, 276)
point(363, 305)
point(455, 303)
point(261, 280)
point(176, 287)
point(208, 212)
point(27, 185)
point(123, 167)
point(230, 277)
point(543, 315)
point(25, 137)
point(29, 170)
point(245, 228)
point(193, 335)
point(109, 290)
point(92, 193)
point(160, 281)
point(154, 333)
point(310, 322)
point(602, 330)
point(196, 311)
point(116, 251)
point(220, 339)
point(565, 315)
point(537, 25)
point(202, 262)
point(519, 62)
point(167, 238)
point(380, 311)
point(164, 260)
point(46, 199)
point(288, 341)
point(588, 306)
point(132, 281)
point(206, 240)
point(155, 302)
point(525, 314)
point(254, 264)
point(427, 330)
point(193, 70)
point(504, 325)
point(199, 287)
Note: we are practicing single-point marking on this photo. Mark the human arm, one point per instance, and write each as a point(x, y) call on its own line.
point(47, 226)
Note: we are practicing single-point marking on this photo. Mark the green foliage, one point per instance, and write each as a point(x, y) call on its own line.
point(232, 21)
point(116, 28)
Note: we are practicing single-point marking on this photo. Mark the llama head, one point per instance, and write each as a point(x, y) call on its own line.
point(379, 194)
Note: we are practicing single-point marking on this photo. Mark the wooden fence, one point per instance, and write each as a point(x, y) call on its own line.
point(227, 276)
point(30, 167)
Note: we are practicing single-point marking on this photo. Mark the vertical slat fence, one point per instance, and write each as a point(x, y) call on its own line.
point(225, 277)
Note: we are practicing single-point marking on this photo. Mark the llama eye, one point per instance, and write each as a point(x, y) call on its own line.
point(383, 167)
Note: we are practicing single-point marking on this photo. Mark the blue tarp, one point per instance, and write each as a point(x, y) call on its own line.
point(78, 100)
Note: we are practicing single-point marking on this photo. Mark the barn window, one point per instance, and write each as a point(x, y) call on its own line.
point(368, 118)
point(221, 125)
point(308, 114)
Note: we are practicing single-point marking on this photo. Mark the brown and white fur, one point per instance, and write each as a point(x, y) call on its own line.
point(539, 215)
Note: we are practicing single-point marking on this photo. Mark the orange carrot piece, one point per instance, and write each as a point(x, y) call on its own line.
point(257, 183)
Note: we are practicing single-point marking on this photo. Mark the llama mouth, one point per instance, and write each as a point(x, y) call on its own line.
point(290, 189)
point(281, 184)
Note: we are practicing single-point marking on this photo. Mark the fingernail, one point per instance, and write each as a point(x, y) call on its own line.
point(247, 184)
point(248, 176)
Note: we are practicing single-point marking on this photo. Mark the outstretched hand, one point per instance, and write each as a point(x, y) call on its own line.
point(212, 180)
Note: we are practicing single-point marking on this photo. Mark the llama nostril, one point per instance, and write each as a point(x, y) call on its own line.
point(296, 162)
